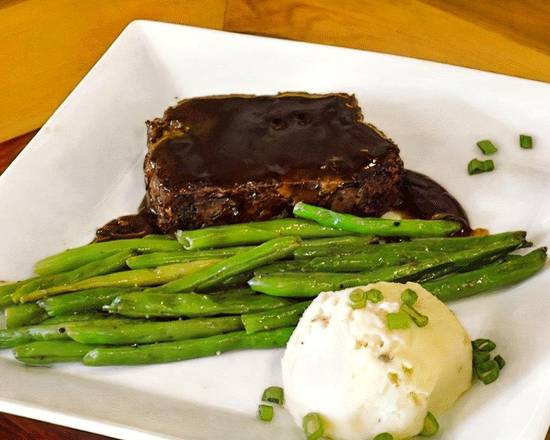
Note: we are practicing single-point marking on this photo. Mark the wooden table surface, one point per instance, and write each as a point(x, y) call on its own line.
point(48, 46)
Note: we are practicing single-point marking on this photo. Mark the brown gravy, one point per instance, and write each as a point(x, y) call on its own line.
point(421, 197)
point(424, 198)
point(301, 137)
point(128, 226)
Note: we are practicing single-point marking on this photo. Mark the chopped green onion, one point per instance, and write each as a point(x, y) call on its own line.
point(265, 413)
point(525, 141)
point(431, 426)
point(476, 166)
point(409, 297)
point(487, 147)
point(273, 395)
point(383, 436)
point(374, 296)
point(487, 371)
point(418, 318)
point(481, 356)
point(397, 321)
point(312, 424)
point(483, 345)
point(358, 299)
point(500, 361)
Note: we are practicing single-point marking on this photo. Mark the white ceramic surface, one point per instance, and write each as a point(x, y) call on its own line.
point(85, 167)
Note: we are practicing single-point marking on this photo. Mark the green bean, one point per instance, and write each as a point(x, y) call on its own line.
point(90, 300)
point(156, 259)
point(286, 316)
point(252, 233)
point(149, 332)
point(31, 313)
point(380, 227)
point(7, 289)
point(364, 262)
point(111, 263)
point(443, 271)
point(213, 275)
point(18, 336)
point(439, 244)
point(295, 284)
point(245, 290)
point(80, 317)
point(159, 237)
point(138, 305)
point(5, 301)
point(187, 349)
point(389, 255)
point(328, 246)
point(24, 314)
point(5, 297)
point(73, 258)
point(49, 352)
point(457, 244)
point(129, 278)
point(285, 266)
point(234, 281)
point(488, 278)
point(47, 332)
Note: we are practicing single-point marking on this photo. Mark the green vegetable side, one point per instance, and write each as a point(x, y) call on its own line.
point(245, 286)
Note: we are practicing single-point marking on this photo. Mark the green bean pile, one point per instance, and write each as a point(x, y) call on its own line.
point(244, 286)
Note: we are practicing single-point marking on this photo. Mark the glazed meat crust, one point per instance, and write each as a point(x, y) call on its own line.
point(238, 158)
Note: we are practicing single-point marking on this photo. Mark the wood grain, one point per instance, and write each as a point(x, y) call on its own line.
point(509, 36)
point(51, 44)
point(21, 428)
point(48, 46)
point(10, 149)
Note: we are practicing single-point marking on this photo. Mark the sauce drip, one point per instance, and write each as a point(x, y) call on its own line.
point(421, 197)
point(128, 226)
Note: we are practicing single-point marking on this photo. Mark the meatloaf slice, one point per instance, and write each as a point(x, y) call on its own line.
point(236, 158)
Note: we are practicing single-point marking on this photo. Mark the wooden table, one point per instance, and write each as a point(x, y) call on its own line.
point(51, 45)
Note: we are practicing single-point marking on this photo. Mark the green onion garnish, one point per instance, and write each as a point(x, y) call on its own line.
point(418, 318)
point(483, 345)
point(481, 356)
point(431, 426)
point(500, 361)
point(487, 371)
point(265, 413)
point(358, 299)
point(487, 147)
point(409, 297)
point(383, 436)
point(374, 296)
point(397, 321)
point(525, 141)
point(312, 424)
point(273, 395)
point(476, 166)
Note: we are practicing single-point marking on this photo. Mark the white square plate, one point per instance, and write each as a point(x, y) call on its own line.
point(85, 167)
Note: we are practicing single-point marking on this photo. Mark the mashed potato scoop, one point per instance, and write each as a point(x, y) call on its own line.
point(364, 378)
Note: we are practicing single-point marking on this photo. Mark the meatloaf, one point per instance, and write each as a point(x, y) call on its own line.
point(237, 158)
